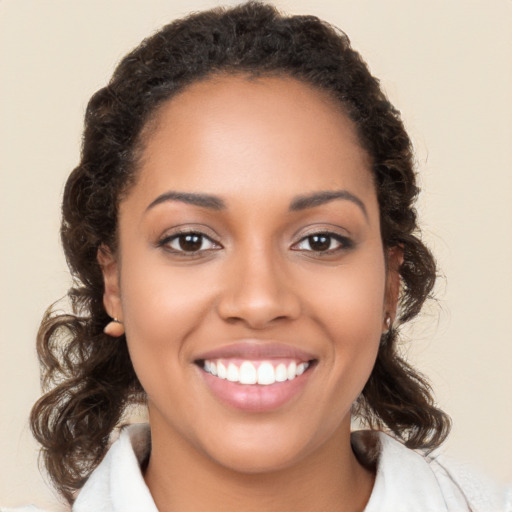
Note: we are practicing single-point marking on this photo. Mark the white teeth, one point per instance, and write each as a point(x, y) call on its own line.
point(281, 373)
point(292, 367)
point(232, 375)
point(263, 374)
point(248, 373)
point(221, 371)
point(266, 374)
point(301, 369)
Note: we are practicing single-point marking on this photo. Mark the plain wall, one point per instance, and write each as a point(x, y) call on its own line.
point(447, 65)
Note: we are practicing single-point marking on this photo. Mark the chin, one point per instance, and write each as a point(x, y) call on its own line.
point(254, 460)
point(264, 448)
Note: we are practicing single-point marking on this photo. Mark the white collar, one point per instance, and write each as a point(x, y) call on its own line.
point(405, 480)
point(117, 484)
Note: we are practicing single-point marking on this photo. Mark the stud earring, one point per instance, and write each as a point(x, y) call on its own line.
point(387, 323)
point(115, 328)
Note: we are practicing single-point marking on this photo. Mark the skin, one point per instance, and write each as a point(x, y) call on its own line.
point(257, 145)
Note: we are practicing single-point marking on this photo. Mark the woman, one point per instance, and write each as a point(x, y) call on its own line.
point(242, 231)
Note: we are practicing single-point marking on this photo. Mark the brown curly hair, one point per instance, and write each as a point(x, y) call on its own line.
point(90, 379)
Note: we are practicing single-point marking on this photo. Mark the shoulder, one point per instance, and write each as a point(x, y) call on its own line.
point(117, 483)
point(409, 480)
point(481, 492)
point(25, 508)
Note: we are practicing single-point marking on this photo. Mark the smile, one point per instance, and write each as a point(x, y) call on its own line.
point(248, 372)
point(256, 377)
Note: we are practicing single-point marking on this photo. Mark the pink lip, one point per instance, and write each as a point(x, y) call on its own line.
point(254, 397)
point(256, 350)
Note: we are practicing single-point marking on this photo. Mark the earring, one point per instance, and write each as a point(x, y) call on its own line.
point(387, 323)
point(115, 328)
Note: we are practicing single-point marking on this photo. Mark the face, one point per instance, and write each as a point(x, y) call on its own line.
point(251, 277)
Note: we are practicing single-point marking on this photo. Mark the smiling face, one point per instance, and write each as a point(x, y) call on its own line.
point(251, 277)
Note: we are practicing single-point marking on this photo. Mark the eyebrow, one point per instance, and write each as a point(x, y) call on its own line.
point(202, 200)
point(299, 203)
point(323, 197)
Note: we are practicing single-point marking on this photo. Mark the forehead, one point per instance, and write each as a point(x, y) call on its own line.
point(268, 135)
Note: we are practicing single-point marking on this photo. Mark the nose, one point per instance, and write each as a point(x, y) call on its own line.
point(257, 292)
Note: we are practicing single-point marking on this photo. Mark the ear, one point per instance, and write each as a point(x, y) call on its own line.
point(395, 258)
point(110, 270)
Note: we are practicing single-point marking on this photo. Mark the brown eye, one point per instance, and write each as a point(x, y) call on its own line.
point(323, 242)
point(319, 242)
point(189, 243)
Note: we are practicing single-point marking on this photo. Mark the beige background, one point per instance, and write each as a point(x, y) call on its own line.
point(446, 64)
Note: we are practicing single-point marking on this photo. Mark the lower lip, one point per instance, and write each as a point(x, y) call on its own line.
point(254, 397)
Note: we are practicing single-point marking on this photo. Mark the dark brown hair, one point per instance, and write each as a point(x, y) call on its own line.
point(88, 377)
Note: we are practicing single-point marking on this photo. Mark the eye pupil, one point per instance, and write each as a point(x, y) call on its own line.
point(190, 242)
point(319, 242)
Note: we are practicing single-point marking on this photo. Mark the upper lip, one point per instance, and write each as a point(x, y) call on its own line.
point(256, 350)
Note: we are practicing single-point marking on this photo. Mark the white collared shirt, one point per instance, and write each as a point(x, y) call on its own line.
point(406, 481)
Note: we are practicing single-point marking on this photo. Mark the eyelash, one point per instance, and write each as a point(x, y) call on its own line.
point(181, 236)
point(344, 243)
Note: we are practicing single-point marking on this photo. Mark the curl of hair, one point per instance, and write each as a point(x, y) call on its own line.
point(88, 377)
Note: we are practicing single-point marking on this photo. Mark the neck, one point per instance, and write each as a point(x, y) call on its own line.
point(183, 479)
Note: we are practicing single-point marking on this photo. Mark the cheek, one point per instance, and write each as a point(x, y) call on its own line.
point(350, 297)
point(350, 308)
point(162, 307)
point(158, 295)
